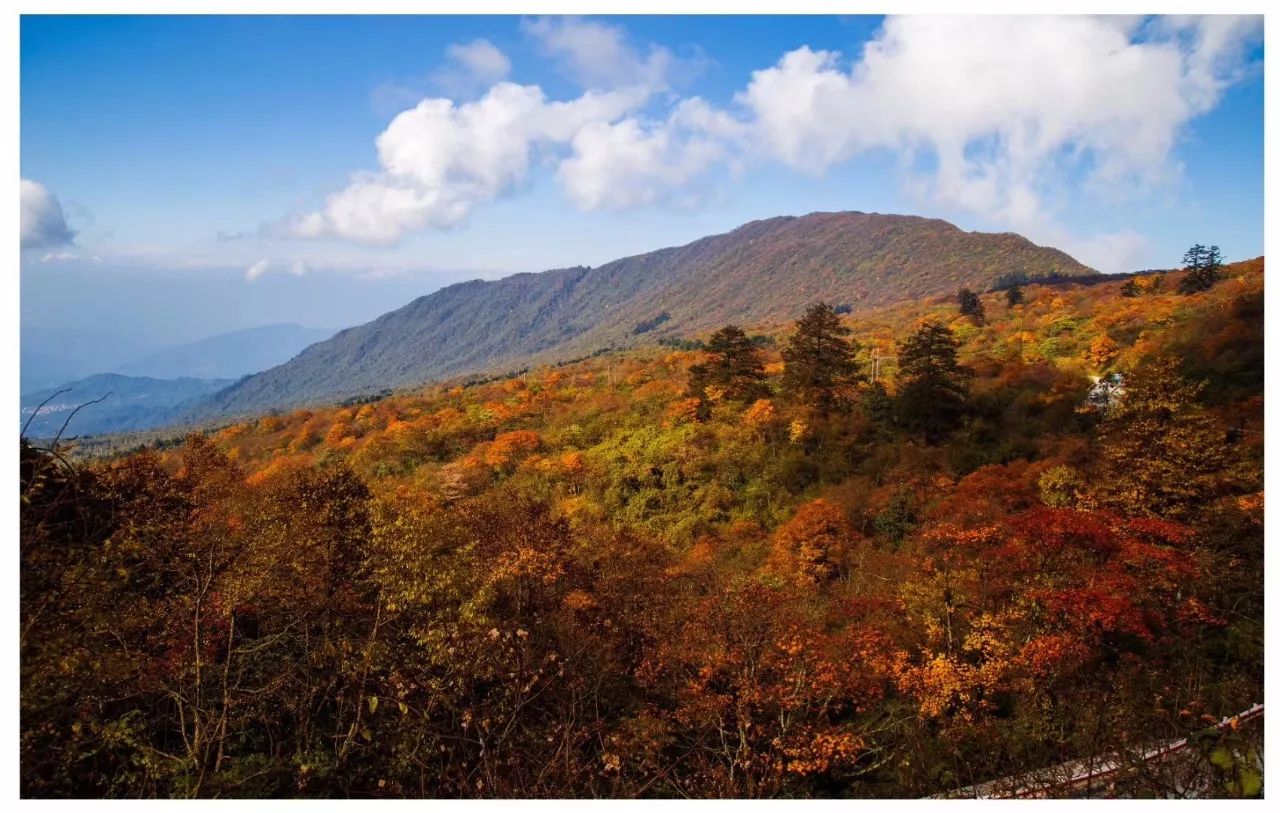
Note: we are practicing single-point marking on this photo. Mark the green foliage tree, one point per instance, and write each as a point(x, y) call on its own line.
point(1013, 295)
point(1203, 268)
point(821, 364)
point(898, 517)
point(971, 305)
point(933, 388)
point(734, 368)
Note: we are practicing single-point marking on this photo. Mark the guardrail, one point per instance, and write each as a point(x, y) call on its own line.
point(1083, 774)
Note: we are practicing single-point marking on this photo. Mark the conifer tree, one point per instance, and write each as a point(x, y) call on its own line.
point(971, 306)
point(1203, 268)
point(733, 369)
point(821, 368)
point(933, 387)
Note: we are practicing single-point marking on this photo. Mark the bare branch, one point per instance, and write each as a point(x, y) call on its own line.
point(58, 436)
point(42, 405)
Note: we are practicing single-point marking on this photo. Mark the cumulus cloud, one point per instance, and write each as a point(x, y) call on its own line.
point(439, 160)
point(442, 158)
point(993, 116)
point(472, 65)
point(997, 108)
point(43, 224)
point(635, 162)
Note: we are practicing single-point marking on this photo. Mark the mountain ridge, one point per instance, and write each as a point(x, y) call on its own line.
point(763, 270)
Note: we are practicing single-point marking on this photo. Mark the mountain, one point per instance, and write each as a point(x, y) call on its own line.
point(51, 355)
point(228, 355)
point(133, 403)
point(765, 270)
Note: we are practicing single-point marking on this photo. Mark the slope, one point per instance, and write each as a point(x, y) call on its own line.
point(765, 270)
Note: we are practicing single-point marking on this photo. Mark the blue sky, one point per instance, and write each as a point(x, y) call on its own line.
point(209, 146)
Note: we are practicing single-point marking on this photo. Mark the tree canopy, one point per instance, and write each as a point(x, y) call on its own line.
point(821, 361)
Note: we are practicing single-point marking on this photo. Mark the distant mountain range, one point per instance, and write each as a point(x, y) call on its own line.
point(53, 356)
point(767, 270)
point(50, 356)
point(228, 355)
point(131, 403)
point(146, 392)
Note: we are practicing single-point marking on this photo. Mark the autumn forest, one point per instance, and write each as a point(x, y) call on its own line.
point(885, 552)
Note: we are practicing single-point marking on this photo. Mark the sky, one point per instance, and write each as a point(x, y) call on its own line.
point(182, 176)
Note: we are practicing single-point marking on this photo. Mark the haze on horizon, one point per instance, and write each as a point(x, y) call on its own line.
point(187, 176)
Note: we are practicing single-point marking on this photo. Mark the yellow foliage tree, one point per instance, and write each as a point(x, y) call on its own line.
point(813, 547)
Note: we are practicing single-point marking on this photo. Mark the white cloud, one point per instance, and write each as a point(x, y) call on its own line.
point(439, 160)
point(1001, 107)
point(1113, 251)
point(637, 163)
point(297, 268)
point(472, 65)
point(43, 225)
point(1005, 118)
point(64, 257)
point(598, 55)
point(482, 59)
point(256, 270)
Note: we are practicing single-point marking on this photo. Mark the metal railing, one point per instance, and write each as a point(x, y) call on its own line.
point(1073, 777)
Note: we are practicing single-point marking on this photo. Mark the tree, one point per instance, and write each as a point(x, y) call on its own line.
point(971, 305)
point(1163, 454)
point(898, 517)
point(1012, 279)
point(821, 367)
point(1130, 288)
point(509, 448)
point(1102, 351)
point(933, 390)
point(734, 368)
point(813, 546)
point(1203, 267)
point(761, 418)
point(1013, 295)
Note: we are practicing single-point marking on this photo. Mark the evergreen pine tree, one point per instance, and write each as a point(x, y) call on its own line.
point(821, 368)
point(933, 387)
point(1203, 268)
point(734, 367)
point(971, 306)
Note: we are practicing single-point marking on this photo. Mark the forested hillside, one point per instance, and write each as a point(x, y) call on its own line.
point(888, 553)
point(766, 270)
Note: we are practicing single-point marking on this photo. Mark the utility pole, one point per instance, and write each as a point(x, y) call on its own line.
point(876, 358)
